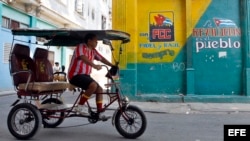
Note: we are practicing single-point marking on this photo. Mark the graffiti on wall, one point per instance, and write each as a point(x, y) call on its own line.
point(178, 66)
point(160, 54)
point(217, 33)
point(159, 42)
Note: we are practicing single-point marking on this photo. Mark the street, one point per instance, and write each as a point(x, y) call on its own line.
point(161, 127)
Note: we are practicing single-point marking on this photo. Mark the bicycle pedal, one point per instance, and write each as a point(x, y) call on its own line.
point(105, 118)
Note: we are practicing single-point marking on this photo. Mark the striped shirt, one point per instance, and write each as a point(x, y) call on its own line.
point(78, 66)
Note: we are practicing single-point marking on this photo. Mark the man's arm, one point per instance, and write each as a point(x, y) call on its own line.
point(88, 62)
point(105, 61)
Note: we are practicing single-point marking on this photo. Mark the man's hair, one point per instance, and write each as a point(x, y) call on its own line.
point(89, 36)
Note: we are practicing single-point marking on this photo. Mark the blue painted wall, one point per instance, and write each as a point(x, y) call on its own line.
point(6, 37)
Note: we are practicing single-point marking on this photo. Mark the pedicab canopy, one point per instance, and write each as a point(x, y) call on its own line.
point(71, 37)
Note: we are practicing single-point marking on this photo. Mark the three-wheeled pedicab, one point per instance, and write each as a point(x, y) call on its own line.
point(40, 98)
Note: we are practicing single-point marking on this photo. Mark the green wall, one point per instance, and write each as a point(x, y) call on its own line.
point(213, 60)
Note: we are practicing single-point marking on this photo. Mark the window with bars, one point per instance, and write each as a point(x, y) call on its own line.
point(5, 22)
point(79, 7)
point(12, 24)
point(103, 22)
point(93, 14)
point(6, 52)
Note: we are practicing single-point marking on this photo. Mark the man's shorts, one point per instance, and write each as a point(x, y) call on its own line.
point(81, 80)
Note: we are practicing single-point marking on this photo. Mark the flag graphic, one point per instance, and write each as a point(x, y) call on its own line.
point(219, 22)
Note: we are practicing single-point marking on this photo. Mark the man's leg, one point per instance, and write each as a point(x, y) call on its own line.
point(99, 102)
point(99, 98)
point(89, 85)
point(91, 89)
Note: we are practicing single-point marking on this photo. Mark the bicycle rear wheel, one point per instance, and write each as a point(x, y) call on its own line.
point(24, 120)
point(48, 121)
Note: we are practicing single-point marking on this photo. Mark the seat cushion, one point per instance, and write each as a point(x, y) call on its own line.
point(44, 70)
point(72, 87)
point(21, 68)
point(41, 87)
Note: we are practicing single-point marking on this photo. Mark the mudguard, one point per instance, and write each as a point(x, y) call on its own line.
point(14, 103)
point(114, 115)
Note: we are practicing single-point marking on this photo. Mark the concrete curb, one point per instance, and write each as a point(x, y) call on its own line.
point(193, 98)
point(4, 93)
point(173, 107)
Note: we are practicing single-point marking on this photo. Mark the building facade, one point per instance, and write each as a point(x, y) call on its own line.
point(49, 14)
point(192, 48)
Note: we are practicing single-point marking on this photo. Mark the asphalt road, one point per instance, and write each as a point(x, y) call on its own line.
point(161, 127)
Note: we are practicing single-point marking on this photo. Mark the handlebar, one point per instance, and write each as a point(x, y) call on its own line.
point(105, 66)
point(112, 71)
point(60, 73)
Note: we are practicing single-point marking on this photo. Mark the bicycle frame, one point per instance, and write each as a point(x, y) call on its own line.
point(114, 96)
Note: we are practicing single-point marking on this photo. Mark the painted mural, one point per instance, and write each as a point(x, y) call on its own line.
point(217, 33)
point(217, 50)
point(158, 45)
point(183, 47)
point(160, 41)
point(161, 30)
point(156, 54)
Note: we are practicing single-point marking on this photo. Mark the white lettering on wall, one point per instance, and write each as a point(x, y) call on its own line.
point(221, 43)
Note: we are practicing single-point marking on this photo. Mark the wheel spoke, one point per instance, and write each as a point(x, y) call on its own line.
point(52, 119)
point(22, 122)
point(131, 123)
point(136, 122)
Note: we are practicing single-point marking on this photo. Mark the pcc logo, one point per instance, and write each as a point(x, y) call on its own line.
point(161, 27)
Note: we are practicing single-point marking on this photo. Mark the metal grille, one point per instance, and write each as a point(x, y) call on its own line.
point(6, 52)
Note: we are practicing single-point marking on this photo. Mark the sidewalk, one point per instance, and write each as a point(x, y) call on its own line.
point(4, 93)
point(193, 108)
point(179, 107)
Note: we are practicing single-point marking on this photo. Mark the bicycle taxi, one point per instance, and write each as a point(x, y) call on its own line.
point(39, 99)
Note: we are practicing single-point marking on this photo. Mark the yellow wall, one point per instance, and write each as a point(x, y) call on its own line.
point(135, 17)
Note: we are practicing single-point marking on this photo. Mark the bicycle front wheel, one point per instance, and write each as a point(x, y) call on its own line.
point(131, 123)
